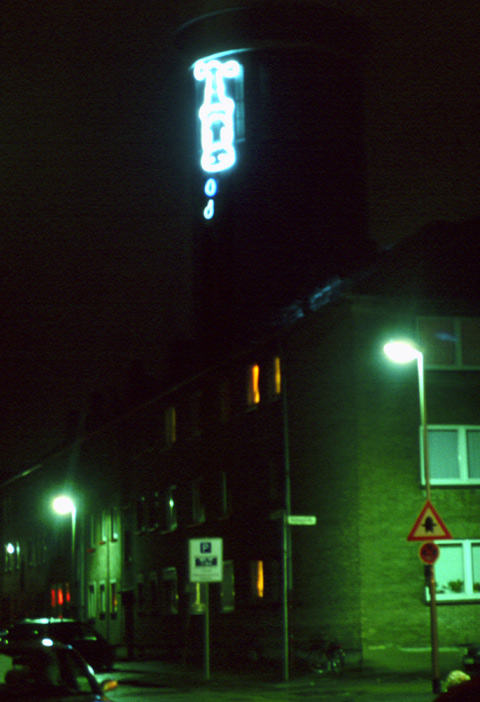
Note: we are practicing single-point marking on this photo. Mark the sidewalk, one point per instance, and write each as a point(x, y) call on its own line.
point(367, 684)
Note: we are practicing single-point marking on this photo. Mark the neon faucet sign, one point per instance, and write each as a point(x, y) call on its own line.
point(217, 121)
point(216, 114)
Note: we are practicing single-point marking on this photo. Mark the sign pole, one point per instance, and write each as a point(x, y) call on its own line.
point(436, 688)
point(286, 635)
point(430, 573)
point(207, 632)
point(205, 557)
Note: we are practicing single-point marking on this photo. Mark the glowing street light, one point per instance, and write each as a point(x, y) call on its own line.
point(405, 352)
point(401, 351)
point(65, 505)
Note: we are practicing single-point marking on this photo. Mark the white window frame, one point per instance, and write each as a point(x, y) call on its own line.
point(91, 533)
point(102, 599)
point(169, 605)
point(469, 594)
point(114, 524)
point(198, 501)
point(103, 526)
point(92, 600)
point(113, 598)
point(170, 508)
point(463, 478)
point(227, 588)
point(456, 340)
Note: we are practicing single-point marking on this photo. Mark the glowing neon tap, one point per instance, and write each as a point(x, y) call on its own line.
point(216, 114)
point(210, 191)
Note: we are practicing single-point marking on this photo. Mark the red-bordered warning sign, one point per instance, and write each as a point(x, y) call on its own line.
point(428, 526)
point(429, 552)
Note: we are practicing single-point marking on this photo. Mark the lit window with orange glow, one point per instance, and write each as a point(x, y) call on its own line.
point(258, 582)
point(113, 597)
point(253, 388)
point(277, 376)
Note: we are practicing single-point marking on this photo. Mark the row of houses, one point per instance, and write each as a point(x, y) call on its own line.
point(311, 421)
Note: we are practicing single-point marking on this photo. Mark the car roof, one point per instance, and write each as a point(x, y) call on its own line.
point(47, 620)
point(33, 644)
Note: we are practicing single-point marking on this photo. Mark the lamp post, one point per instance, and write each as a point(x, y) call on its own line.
point(405, 352)
point(65, 505)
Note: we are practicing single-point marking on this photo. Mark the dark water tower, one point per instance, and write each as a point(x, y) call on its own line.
point(278, 175)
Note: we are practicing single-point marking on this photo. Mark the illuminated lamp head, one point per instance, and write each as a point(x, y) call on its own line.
point(401, 351)
point(63, 505)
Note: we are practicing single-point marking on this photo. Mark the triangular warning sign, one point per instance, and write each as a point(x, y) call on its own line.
point(428, 526)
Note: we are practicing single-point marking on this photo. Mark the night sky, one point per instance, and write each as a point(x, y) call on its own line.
point(95, 246)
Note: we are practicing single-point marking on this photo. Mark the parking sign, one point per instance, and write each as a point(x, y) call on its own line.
point(205, 560)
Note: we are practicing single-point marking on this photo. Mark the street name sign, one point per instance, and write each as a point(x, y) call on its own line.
point(301, 520)
point(205, 558)
point(428, 526)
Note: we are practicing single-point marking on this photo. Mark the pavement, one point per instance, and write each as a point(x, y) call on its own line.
point(362, 684)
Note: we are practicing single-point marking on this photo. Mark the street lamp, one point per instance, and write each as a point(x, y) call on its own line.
point(65, 505)
point(405, 352)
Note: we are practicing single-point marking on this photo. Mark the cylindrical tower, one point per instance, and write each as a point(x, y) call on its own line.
point(278, 176)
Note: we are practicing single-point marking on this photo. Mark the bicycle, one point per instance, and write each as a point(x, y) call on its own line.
point(322, 656)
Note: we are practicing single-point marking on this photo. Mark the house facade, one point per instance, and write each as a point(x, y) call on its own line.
point(298, 443)
point(314, 421)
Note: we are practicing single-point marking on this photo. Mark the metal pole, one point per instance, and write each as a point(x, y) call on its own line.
point(286, 660)
point(207, 631)
point(73, 583)
point(423, 420)
point(286, 544)
point(436, 687)
point(74, 527)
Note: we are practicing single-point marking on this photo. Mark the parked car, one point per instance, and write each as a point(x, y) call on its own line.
point(94, 648)
point(45, 670)
point(471, 659)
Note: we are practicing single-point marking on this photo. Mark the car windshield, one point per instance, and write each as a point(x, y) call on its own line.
point(43, 673)
point(67, 631)
point(27, 631)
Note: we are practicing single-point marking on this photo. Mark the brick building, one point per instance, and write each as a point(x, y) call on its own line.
point(304, 417)
point(315, 421)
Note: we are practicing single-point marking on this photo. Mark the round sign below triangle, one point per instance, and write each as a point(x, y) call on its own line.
point(429, 552)
point(428, 526)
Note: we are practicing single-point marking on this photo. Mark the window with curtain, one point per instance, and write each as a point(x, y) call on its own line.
point(454, 454)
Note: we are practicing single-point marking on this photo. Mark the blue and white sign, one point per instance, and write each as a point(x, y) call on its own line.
point(205, 560)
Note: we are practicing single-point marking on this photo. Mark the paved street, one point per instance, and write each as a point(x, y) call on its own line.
point(147, 681)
